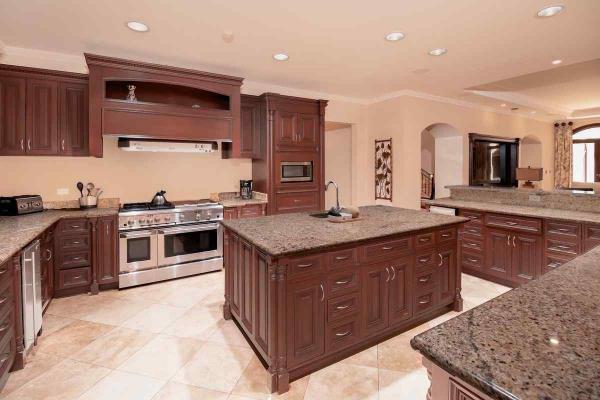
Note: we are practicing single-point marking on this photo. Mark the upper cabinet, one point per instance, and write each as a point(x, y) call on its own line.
point(42, 112)
point(296, 122)
point(250, 137)
point(162, 102)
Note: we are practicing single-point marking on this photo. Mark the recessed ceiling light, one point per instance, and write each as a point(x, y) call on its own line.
point(281, 57)
point(556, 62)
point(549, 11)
point(503, 105)
point(394, 36)
point(438, 52)
point(137, 26)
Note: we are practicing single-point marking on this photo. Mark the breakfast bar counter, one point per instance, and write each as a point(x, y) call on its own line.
point(308, 292)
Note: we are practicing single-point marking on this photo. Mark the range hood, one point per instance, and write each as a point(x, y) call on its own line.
point(163, 146)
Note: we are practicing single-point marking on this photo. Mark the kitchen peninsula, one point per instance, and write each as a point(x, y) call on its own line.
point(308, 292)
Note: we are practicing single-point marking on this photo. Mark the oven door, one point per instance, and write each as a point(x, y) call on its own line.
point(137, 251)
point(189, 243)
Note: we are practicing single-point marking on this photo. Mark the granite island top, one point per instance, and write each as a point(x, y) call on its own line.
point(284, 234)
point(540, 341)
point(17, 231)
point(540, 212)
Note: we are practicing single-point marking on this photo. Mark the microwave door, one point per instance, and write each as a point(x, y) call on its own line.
point(137, 251)
point(189, 243)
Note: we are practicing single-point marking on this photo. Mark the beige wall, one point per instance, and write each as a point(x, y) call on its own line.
point(338, 165)
point(427, 151)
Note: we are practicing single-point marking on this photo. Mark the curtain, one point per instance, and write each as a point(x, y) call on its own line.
point(563, 154)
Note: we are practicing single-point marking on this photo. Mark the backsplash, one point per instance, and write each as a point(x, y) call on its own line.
point(559, 199)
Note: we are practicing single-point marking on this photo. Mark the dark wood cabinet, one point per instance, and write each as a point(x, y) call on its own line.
point(306, 320)
point(250, 130)
point(245, 211)
point(107, 263)
point(42, 114)
point(498, 257)
point(73, 119)
point(12, 115)
point(47, 266)
point(375, 298)
point(401, 290)
point(526, 257)
point(285, 129)
point(447, 273)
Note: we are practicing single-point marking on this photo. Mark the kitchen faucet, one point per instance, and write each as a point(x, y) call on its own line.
point(337, 207)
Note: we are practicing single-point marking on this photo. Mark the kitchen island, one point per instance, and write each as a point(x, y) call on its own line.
point(307, 292)
point(539, 341)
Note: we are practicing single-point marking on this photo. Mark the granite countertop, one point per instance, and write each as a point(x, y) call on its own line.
point(16, 232)
point(283, 234)
point(540, 341)
point(526, 211)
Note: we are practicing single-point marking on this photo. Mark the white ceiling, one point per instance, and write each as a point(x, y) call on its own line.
point(335, 46)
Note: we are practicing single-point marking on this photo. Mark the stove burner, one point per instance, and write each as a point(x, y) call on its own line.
point(145, 206)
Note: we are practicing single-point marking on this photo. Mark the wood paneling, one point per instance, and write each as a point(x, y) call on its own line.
point(73, 119)
point(107, 262)
point(401, 290)
point(447, 273)
point(42, 117)
point(375, 295)
point(12, 115)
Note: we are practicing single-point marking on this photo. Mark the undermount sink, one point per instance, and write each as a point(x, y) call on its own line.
point(323, 214)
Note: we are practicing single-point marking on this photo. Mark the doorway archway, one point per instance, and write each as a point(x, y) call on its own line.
point(442, 156)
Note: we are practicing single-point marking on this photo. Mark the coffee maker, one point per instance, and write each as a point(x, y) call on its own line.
point(246, 189)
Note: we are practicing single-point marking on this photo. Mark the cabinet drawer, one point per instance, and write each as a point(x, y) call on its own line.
point(342, 334)
point(424, 280)
point(562, 230)
point(472, 260)
point(74, 277)
point(7, 351)
point(423, 240)
point(343, 282)
point(73, 260)
point(6, 296)
point(387, 250)
point(425, 260)
point(523, 224)
point(591, 236)
point(341, 259)
point(73, 225)
point(473, 245)
point(6, 272)
point(552, 261)
point(251, 210)
point(6, 325)
point(305, 266)
point(73, 243)
point(444, 236)
point(475, 230)
point(475, 217)
point(343, 306)
point(424, 301)
point(297, 201)
point(562, 247)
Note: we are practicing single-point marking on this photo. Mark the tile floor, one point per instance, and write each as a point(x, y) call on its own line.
point(168, 341)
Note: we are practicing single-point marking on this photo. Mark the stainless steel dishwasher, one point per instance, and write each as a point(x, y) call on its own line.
point(32, 293)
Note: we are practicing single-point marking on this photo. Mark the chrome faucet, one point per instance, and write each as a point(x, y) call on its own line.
point(337, 207)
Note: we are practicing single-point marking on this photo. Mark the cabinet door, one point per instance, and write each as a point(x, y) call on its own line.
point(285, 126)
point(42, 113)
point(498, 253)
point(305, 320)
point(107, 263)
point(12, 116)
point(230, 213)
point(236, 275)
point(526, 257)
point(446, 270)
point(401, 291)
point(308, 131)
point(47, 269)
point(73, 119)
point(250, 128)
point(375, 298)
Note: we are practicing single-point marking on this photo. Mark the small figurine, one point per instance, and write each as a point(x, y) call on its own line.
point(131, 94)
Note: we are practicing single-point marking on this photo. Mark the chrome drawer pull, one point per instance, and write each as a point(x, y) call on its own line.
point(511, 223)
point(424, 239)
point(445, 235)
point(343, 333)
point(562, 246)
point(322, 292)
point(3, 270)
point(340, 258)
point(75, 226)
point(471, 244)
point(472, 217)
point(4, 327)
point(423, 301)
point(423, 260)
point(77, 277)
point(472, 259)
point(3, 300)
point(342, 307)
point(423, 280)
point(341, 282)
point(386, 248)
point(472, 231)
point(562, 229)
point(441, 260)
point(76, 242)
point(76, 258)
point(304, 265)
point(4, 358)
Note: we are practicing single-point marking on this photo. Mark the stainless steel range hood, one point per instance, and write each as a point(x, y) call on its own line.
point(162, 146)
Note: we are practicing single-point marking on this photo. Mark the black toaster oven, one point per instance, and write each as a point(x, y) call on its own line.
point(18, 205)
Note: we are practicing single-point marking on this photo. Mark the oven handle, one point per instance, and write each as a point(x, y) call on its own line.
point(195, 228)
point(134, 235)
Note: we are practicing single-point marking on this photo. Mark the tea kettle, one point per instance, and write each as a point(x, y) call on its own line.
point(159, 199)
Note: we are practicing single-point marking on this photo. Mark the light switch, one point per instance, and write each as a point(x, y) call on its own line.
point(62, 191)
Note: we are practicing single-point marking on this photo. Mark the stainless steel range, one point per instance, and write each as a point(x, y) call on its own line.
point(160, 242)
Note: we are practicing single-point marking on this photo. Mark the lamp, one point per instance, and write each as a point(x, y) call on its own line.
point(530, 174)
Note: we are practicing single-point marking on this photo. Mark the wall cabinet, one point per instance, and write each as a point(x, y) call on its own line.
point(250, 119)
point(43, 113)
point(106, 266)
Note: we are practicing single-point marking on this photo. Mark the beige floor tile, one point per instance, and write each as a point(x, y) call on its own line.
point(71, 338)
point(179, 391)
point(216, 367)
point(120, 385)
point(185, 296)
point(254, 384)
point(52, 323)
point(343, 382)
point(397, 355)
point(197, 323)
point(366, 358)
point(66, 381)
point(238, 397)
point(162, 357)
point(441, 319)
point(77, 306)
point(154, 318)
point(228, 333)
point(113, 348)
point(114, 312)
point(215, 299)
point(39, 364)
point(394, 385)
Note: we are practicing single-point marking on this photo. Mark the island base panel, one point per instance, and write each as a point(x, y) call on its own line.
point(444, 386)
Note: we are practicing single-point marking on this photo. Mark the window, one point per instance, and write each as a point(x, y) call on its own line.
point(586, 154)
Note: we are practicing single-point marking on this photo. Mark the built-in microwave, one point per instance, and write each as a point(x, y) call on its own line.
point(296, 171)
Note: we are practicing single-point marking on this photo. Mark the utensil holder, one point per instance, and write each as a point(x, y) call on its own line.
point(88, 202)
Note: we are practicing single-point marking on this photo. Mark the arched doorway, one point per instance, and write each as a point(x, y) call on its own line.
point(442, 157)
